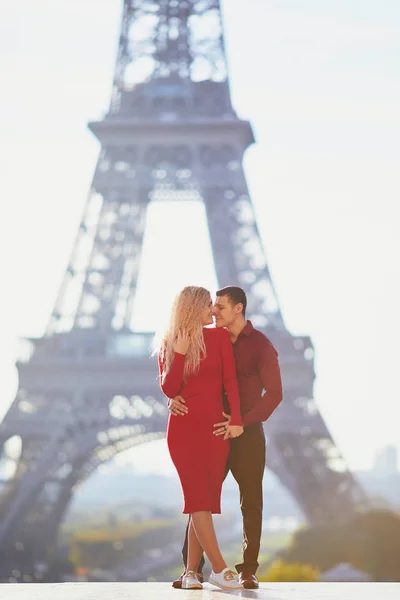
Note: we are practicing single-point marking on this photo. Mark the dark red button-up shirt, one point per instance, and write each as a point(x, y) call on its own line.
point(258, 374)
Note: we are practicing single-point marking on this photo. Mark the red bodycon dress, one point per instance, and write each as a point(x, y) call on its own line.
point(198, 455)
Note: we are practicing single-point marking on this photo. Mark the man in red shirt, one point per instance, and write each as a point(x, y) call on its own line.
point(260, 388)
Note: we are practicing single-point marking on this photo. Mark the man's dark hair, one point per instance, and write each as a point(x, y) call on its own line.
point(235, 294)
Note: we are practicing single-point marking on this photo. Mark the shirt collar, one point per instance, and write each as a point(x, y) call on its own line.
point(247, 329)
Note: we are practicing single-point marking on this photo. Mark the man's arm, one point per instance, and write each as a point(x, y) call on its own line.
point(177, 406)
point(270, 375)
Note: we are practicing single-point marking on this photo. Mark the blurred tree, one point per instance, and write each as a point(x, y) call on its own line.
point(375, 544)
point(370, 542)
point(280, 571)
point(322, 547)
point(105, 547)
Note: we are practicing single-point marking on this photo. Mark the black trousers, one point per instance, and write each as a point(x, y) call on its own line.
point(247, 463)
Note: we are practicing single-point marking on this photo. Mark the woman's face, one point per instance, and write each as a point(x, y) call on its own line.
point(207, 314)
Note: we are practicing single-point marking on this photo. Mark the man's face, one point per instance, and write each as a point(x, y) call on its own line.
point(225, 312)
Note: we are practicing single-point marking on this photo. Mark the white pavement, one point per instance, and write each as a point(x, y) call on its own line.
point(164, 591)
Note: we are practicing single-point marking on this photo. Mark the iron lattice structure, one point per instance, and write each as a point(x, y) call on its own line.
point(88, 389)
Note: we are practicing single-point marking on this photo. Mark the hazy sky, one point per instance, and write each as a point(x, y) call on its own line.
point(320, 82)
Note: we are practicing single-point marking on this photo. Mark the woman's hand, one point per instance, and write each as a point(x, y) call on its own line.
point(181, 343)
point(233, 431)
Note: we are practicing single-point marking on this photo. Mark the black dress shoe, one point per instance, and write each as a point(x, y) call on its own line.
point(177, 584)
point(248, 580)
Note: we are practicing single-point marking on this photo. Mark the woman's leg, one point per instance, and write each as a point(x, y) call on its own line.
point(195, 551)
point(203, 526)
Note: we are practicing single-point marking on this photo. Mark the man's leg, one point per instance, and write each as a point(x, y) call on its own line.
point(185, 544)
point(247, 464)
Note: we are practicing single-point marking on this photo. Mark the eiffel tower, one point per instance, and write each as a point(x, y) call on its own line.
point(88, 389)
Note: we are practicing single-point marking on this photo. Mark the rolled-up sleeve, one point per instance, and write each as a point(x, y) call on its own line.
point(270, 375)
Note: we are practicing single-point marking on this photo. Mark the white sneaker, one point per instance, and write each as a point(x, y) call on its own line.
point(190, 581)
point(226, 580)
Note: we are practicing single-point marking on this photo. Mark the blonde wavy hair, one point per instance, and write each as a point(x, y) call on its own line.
point(186, 318)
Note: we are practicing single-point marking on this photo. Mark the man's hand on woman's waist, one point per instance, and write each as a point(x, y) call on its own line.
point(177, 406)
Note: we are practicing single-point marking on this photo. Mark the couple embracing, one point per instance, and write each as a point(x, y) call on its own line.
point(222, 382)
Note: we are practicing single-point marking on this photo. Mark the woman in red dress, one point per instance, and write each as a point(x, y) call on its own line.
point(196, 363)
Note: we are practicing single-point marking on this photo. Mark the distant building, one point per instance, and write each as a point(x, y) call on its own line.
point(386, 462)
point(344, 572)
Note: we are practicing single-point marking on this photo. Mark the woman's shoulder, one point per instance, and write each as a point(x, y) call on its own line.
point(215, 333)
point(210, 331)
